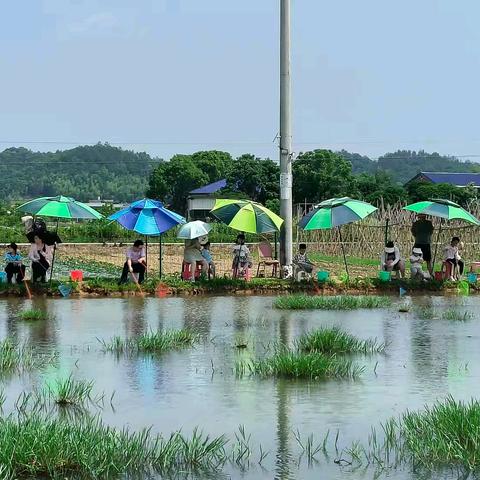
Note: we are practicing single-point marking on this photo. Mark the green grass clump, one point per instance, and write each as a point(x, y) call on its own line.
point(447, 434)
point(290, 364)
point(341, 302)
point(71, 392)
point(33, 315)
point(36, 446)
point(426, 313)
point(336, 341)
point(151, 342)
point(456, 315)
point(15, 357)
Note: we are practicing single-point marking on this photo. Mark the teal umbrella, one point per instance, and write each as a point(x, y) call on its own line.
point(334, 213)
point(444, 209)
point(59, 207)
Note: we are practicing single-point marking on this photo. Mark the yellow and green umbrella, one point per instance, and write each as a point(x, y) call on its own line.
point(246, 216)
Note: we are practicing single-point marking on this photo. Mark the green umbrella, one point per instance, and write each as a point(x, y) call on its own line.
point(334, 213)
point(441, 208)
point(246, 216)
point(59, 207)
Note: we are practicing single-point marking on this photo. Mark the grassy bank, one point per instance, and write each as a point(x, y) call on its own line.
point(173, 285)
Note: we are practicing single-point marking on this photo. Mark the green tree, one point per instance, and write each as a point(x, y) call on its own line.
point(255, 178)
point(172, 181)
point(418, 191)
point(322, 174)
point(374, 188)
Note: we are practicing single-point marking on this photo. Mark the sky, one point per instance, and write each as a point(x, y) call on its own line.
point(177, 76)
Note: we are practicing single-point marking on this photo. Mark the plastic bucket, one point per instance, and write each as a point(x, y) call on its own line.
point(322, 276)
point(76, 275)
point(472, 277)
point(3, 277)
point(384, 276)
point(438, 276)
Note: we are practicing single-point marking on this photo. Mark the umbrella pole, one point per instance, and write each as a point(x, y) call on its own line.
point(386, 230)
point(160, 255)
point(343, 250)
point(275, 240)
point(146, 256)
point(436, 247)
point(54, 251)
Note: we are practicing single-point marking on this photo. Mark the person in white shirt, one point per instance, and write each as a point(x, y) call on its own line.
point(41, 256)
point(416, 261)
point(391, 260)
point(136, 262)
point(452, 256)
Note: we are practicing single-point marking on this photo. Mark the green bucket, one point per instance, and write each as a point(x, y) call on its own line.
point(384, 276)
point(322, 276)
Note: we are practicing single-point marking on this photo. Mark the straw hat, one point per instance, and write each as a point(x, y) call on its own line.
point(417, 251)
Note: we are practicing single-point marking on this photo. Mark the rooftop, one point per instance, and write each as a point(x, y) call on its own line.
point(210, 188)
point(457, 179)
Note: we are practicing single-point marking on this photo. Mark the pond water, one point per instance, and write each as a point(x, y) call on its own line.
point(425, 360)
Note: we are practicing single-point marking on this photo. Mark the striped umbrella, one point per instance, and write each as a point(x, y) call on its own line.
point(148, 217)
point(246, 216)
point(60, 207)
point(334, 213)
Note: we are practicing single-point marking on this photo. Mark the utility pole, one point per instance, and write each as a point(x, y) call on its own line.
point(286, 233)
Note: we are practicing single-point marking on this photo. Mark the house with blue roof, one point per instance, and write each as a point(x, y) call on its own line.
point(456, 179)
point(201, 200)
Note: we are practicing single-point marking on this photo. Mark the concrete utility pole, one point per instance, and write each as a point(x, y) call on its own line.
point(285, 136)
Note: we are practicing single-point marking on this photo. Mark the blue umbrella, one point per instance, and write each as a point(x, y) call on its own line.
point(148, 217)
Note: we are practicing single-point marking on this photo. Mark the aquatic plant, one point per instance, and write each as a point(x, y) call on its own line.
point(39, 446)
point(151, 342)
point(69, 391)
point(336, 341)
point(33, 315)
point(456, 315)
point(291, 364)
point(20, 357)
point(426, 313)
point(446, 434)
point(340, 302)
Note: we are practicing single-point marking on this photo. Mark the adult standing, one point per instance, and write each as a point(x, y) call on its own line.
point(422, 231)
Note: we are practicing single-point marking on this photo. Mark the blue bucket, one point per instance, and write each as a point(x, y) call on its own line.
point(472, 277)
point(3, 277)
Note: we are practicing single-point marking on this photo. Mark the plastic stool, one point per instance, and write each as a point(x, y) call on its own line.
point(187, 270)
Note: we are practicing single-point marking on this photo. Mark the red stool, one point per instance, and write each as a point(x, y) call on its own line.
point(187, 270)
point(447, 270)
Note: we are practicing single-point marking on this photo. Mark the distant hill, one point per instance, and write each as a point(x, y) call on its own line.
point(402, 165)
point(85, 173)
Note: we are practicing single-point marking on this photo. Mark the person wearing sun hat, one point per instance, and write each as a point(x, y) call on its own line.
point(416, 261)
point(391, 259)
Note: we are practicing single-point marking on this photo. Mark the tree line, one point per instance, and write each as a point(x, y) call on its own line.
point(109, 172)
point(317, 175)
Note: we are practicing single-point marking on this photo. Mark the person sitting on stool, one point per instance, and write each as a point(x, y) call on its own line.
point(136, 262)
point(14, 265)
